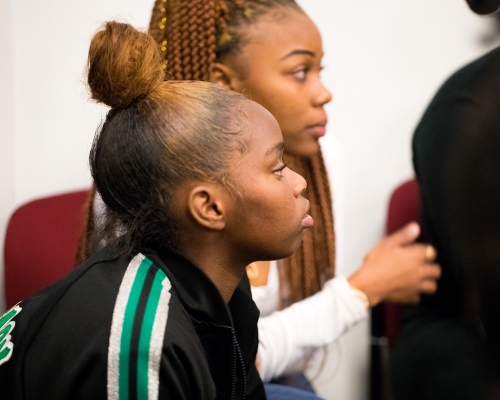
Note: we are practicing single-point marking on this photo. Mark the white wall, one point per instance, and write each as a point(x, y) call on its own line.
point(46, 121)
point(7, 148)
point(384, 60)
point(54, 121)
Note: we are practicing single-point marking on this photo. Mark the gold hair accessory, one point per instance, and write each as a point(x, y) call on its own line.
point(225, 38)
point(163, 21)
point(249, 13)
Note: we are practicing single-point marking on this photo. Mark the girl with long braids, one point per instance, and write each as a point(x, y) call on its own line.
point(163, 311)
point(271, 51)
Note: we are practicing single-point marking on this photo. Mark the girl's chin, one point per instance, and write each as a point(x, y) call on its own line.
point(309, 149)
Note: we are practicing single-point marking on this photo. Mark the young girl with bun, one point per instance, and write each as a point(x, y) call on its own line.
point(163, 311)
point(271, 51)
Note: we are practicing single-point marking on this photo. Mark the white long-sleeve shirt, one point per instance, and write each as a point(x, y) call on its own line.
point(288, 338)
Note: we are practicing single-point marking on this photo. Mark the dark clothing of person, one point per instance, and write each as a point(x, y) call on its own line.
point(154, 326)
point(441, 353)
point(484, 6)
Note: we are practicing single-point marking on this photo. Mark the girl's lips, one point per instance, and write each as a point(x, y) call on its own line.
point(307, 221)
point(317, 130)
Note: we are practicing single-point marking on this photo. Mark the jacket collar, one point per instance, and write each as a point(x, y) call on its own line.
point(199, 295)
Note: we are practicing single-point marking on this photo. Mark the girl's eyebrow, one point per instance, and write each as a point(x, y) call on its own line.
point(278, 148)
point(298, 51)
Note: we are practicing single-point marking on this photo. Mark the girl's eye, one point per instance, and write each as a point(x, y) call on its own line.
point(279, 171)
point(301, 75)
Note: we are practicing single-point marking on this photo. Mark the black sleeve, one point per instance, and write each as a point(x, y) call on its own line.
point(450, 122)
point(184, 372)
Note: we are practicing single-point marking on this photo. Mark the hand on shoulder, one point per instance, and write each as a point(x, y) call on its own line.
point(397, 269)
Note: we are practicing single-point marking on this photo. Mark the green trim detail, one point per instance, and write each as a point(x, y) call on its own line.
point(145, 335)
point(128, 324)
point(6, 328)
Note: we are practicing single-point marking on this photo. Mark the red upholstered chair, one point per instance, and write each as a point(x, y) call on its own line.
point(40, 243)
point(404, 207)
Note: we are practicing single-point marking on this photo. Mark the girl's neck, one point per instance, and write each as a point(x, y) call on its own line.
point(222, 269)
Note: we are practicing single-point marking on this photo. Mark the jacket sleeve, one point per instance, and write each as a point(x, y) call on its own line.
point(184, 370)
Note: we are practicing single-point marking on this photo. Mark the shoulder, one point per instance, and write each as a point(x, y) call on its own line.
point(72, 314)
point(151, 328)
point(462, 98)
point(114, 317)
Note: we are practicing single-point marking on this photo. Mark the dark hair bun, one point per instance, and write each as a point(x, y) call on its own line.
point(123, 64)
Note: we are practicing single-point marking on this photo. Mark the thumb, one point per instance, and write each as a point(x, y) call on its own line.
point(406, 235)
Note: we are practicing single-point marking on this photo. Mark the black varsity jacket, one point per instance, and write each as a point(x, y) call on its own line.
point(150, 327)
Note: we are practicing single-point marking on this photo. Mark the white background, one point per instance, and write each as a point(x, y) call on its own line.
point(384, 61)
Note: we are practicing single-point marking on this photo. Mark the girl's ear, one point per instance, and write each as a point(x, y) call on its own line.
point(224, 75)
point(206, 204)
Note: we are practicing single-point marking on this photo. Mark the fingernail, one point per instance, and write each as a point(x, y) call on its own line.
point(414, 227)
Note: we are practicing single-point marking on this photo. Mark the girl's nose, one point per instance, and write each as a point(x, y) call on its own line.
point(323, 95)
point(299, 184)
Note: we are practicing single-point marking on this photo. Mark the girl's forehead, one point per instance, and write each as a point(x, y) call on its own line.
point(296, 29)
point(274, 23)
point(262, 126)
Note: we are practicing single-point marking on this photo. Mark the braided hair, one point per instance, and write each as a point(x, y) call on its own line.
point(192, 35)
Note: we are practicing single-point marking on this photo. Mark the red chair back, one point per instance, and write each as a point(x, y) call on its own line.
point(404, 207)
point(40, 243)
